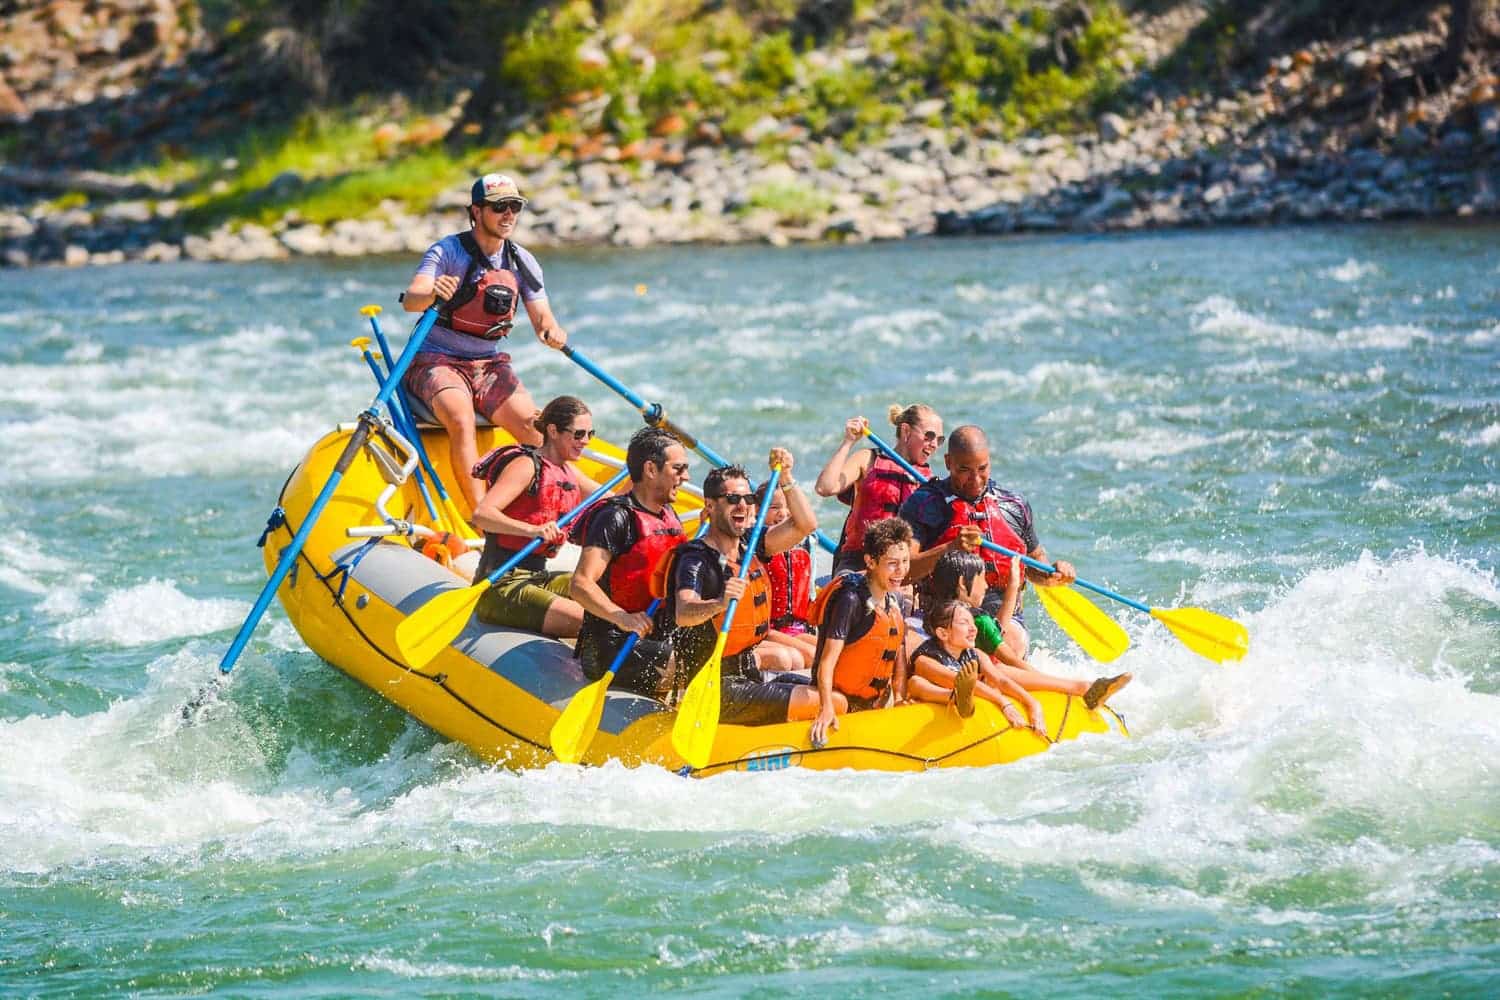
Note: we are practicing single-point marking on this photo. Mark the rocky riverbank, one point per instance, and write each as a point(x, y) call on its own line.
point(1310, 140)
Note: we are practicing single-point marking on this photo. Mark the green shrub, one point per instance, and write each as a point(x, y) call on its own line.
point(794, 203)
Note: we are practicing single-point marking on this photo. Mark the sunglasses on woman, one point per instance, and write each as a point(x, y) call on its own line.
point(581, 434)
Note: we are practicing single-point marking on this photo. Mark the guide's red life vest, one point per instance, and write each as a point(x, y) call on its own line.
point(485, 306)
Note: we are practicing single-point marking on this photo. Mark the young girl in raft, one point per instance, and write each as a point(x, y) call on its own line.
point(947, 668)
point(959, 575)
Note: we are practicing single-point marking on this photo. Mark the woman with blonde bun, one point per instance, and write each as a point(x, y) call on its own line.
point(871, 484)
point(523, 500)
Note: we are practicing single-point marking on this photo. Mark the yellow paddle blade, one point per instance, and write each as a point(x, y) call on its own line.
point(435, 624)
point(1206, 633)
point(698, 713)
point(574, 730)
point(1100, 635)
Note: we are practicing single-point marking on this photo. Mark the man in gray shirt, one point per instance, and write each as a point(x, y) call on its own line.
point(481, 275)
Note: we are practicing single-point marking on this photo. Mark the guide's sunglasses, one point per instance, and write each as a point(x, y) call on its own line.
point(582, 435)
point(510, 205)
point(933, 438)
point(735, 499)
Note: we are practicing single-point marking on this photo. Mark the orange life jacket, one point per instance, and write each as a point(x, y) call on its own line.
point(878, 494)
point(627, 581)
point(790, 577)
point(752, 616)
point(985, 514)
point(865, 666)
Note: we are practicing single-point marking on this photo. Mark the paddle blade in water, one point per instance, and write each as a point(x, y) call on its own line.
point(574, 730)
point(1206, 633)
point(436, 623)
point(698, 713)
point(1100, 635)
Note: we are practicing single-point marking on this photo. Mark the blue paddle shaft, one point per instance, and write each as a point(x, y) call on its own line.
point(356, 442)
point(653, 414)
point(567, 518)
point(755, 533)
point(411, 421)
point(403, 424)
point(1033, 563)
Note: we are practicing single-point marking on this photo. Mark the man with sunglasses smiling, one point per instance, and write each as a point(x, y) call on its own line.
point(482, 276)
point(699, 580)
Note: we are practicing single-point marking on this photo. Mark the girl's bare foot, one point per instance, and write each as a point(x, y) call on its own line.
point(963, 688)
point(1100, 691)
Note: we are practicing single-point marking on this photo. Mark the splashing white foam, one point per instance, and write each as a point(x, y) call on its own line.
point(151, 612)
point(1350, 271)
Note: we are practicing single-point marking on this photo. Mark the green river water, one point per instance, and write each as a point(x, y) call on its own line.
point(1297, 428)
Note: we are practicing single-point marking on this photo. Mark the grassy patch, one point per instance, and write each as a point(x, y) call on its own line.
point(795, 204)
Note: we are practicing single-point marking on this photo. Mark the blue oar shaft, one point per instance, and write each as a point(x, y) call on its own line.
point(367, 420)
point(411, 422)
point(566, 519)
point(403, 424)
point(1033, 563)
point(753, 544)
point(656, 417)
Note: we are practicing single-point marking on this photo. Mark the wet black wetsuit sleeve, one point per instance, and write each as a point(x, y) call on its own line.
point(847, 617)
point(610, 528)
point(928, 516)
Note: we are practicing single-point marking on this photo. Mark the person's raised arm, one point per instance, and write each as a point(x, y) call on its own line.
point(801, 520)
point(843, 469)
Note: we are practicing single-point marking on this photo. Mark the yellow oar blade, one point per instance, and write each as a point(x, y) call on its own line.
point(1100, 635)
point(436, 624)
point(698, 713)
point(574, 730)
point(1206, 633)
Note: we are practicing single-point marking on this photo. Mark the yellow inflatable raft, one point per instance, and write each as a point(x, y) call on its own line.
point(499, 691)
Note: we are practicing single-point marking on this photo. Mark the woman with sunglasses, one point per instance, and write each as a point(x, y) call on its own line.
point(871, 484)
point(530, 488)
point(482, 276)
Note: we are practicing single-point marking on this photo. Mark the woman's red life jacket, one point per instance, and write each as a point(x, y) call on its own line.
point(552, 493)
point(864, 666)
point(627, 581)
point(790, 577)
point(879, 494)
point(752, 615)
point(484, 307)
point(985, 514)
